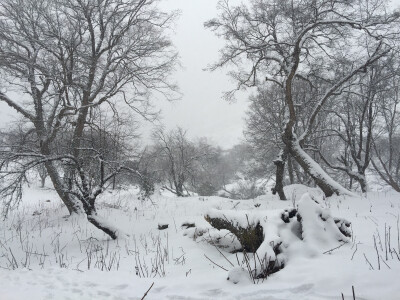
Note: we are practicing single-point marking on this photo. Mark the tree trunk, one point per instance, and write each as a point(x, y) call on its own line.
point(250, 237)
point(320, 177)
point(179, 185)
point(93, 218)
point(100, 224)
point(299, 175)
point(280, 171)
point(290, 170)
point(72, 204)
point(42, 181)
point(363, 183)
point(179, 190)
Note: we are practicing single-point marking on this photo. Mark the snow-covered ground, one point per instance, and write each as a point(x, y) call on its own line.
point(46, 255)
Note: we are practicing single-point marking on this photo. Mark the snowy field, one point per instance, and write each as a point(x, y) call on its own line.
point(46, 255)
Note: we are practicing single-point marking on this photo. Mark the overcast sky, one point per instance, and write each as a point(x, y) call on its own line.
point(202, 111)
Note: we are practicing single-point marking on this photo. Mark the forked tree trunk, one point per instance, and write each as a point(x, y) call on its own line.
point(76, 206)
point(179, 190)
point(72, 204)
point(363, 184)
point(360, 178)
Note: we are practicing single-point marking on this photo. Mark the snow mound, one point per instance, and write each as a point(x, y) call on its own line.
point(319, 229)
point(296, 191)
point(238, 274)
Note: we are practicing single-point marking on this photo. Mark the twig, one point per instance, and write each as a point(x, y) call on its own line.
point(395, 252)
point(219, 250)
point(145, 294)
point(385, 262)
point(368, 262)
point(355, 251)
point(398, 234)
point(377, 253)
point(249, 270)
point(216, 263)
point(176, 229)
point(334, 248)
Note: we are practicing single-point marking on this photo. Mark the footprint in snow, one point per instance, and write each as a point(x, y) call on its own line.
point(103, 293)
point(302, 288)
point(90, 284)
point(214, 292)
point(120, 287)
point(77, 291)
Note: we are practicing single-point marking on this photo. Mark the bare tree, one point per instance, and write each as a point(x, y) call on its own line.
point(284, 42)
point(179, 159)
point(264, 122)
point(266, 116)
point(68, 57)
point(354, 119)
point(42, 172)
point(209, 173)
point(386, 144)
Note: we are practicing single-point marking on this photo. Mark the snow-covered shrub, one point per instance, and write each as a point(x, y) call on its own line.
point(223, 239)
point(206, 189)
point(244, 188)
point(147, 184)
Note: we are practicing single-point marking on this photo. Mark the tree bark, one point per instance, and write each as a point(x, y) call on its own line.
point(250, 237)
point(363, 184)
point(290, 170)
point(42, 181)
point(280, 171)
point(93, 219)
point(179, 185)
point(72, 205)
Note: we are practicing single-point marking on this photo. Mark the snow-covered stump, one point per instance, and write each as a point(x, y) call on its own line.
point(261, 257)
point(250, 236)
point(270, 238)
